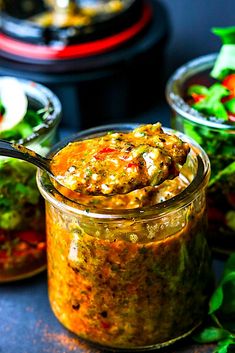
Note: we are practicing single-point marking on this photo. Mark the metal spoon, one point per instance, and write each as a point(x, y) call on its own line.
point(18, 151)
point(154, 178)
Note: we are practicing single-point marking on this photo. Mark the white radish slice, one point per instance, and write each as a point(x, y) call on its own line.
point(14, 101)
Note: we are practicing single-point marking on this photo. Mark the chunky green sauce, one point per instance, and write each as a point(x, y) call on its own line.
point(128, 282)
point(118, 163)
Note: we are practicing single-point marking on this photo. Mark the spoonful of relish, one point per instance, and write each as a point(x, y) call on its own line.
point(115, 163)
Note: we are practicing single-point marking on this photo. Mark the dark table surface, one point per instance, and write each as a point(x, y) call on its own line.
point(27, 324)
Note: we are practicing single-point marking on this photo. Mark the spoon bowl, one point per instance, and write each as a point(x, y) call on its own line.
point(112, 164)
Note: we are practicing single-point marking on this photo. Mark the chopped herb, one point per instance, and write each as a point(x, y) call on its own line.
point(143, 250)
point(221, 312)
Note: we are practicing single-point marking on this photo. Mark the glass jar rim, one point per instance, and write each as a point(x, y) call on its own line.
point(158, 210)
point(51, 101)
point(178, 104)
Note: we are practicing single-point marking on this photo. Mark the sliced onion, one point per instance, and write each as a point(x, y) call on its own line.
point(14, 101)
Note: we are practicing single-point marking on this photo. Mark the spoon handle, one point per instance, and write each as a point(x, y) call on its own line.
point(18, 151)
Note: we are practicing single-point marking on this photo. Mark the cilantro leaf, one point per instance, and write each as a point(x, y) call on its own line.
point(216, 300)
point(222, 312)
point(224, 345)
point(211, 334)
point(211, 105)
point(227, 34)
point(198, 89)
point(229, 170)
point(230, 105)
point(225, 64)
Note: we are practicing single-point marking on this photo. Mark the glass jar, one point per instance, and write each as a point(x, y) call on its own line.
point(134, 279)
point(22, 216)
point(218, 140)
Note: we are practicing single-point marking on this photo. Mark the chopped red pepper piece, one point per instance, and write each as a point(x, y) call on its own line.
point(41, 246)
point(105, 325)
point(104, 151)
point(229, 83)
point(3, 254)
point(22, 253)
point(197, 97)
point(107, 150)
point(21, 247)
point(132, 165)
point(30, 236)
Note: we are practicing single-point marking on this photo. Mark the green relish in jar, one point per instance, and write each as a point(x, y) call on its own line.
point(129, 269)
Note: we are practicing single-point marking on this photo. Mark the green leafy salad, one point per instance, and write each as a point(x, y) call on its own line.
point(216, 105)
point(218, 100)
point(17, 119)
point(21, 208)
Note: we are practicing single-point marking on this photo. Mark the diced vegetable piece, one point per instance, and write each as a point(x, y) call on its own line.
point(230, 105)
point(14, 101)
point(198, 89)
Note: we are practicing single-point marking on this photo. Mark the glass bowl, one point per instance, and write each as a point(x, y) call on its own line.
point(130, 279)
point(218, 140)
point(22, 216)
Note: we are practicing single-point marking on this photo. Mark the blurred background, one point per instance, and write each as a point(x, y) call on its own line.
point(108, 61)
point(191, 23)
